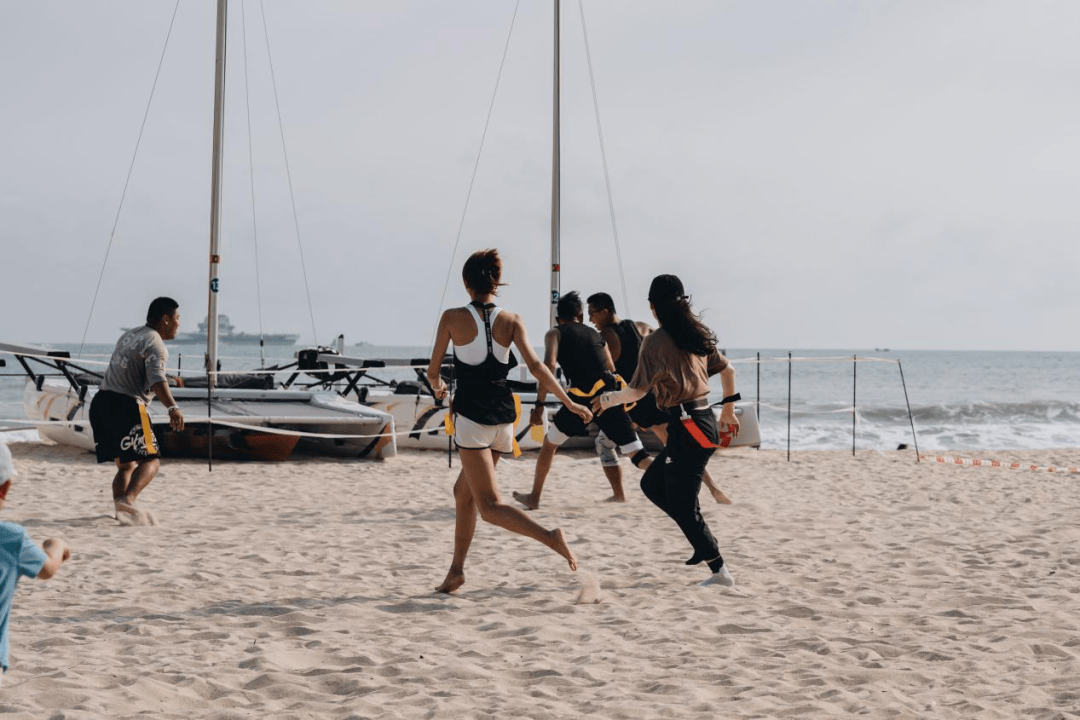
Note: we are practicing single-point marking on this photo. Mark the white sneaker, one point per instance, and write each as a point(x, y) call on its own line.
point(719, 578)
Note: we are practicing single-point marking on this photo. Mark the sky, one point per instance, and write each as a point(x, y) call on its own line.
point(821, 174)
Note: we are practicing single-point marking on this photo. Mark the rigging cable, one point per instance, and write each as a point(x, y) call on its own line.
point(127, 180)
point(476, 166)
point(288, 175)
point(603, 159)
point(251, 175)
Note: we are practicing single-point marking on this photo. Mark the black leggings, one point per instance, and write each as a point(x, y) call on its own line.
point(673, 480)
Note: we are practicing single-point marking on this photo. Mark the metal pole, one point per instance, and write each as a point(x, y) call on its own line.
point(556, 261)
point(449, 409)
point(215, 219)
point(854, 370)
point(759, 392)
point(914, 439)
point(215, 193)
point(789, 406)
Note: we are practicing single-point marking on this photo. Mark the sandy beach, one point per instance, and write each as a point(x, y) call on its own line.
point(871, 585)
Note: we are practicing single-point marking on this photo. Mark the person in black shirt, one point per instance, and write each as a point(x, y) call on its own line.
point(589, 370)
point(623, 338)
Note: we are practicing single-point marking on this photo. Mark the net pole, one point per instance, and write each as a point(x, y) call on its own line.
point(854, 373)
point(911, 419)
point(759, 392)
point(789, 406)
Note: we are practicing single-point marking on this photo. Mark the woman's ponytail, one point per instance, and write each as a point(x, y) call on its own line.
point(673, 311)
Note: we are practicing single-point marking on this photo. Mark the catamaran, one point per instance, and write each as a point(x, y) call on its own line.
point(265, 423)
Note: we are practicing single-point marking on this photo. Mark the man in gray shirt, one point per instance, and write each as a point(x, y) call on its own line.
point(118, 416)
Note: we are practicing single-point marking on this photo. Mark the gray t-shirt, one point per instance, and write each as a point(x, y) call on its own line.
point(137, 363)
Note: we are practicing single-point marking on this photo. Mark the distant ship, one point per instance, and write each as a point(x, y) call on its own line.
point(227, 334)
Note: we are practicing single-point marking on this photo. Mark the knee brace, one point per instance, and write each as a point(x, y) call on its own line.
point(606, 449)
point(639, 457)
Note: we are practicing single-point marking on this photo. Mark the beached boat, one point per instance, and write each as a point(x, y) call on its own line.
point(412, 404)
point(243, 423)
point(421, 419)
point(264, 423)
point(418, 416)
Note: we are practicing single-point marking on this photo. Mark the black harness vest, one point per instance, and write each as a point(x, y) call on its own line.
point(581, 355)
point(630, 344)
point(481, 392)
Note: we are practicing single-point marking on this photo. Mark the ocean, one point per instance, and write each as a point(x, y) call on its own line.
point(961, 402)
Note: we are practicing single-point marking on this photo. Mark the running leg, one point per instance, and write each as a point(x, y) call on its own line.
point(479, 471)
point(543, 467)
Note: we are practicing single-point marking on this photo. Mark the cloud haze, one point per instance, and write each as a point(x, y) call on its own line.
point(821, 174)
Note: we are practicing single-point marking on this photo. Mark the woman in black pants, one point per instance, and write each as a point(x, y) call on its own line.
point(675, 362)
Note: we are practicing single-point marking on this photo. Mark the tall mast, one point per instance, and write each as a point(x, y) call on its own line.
point(555, 253)
point(215, 195)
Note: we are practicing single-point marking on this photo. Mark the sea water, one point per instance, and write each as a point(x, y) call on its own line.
point(820, 399)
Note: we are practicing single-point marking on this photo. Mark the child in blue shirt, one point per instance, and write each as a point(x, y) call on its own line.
point(20, 556)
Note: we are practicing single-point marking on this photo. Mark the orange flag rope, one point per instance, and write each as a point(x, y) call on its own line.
point(969, 462)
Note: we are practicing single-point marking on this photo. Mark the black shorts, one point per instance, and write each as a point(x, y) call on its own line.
point(614, 422)
point(646, 414)
point(121, 428)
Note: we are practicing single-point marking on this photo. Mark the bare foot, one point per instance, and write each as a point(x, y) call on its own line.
point(454, 580)
point(563, 549)
point(616, 498)
point(526, 500)
point(720, 497)
point(123, 506)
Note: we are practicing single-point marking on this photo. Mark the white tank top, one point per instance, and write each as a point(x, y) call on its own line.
point(475, 352)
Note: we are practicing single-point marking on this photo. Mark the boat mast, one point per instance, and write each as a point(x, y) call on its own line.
point(215, 196)
point(555, 193)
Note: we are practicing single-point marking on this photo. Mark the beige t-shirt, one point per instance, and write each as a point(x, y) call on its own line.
point(675, 375)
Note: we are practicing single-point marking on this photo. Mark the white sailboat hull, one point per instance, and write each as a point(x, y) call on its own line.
point(316, 422)
point(56, 402)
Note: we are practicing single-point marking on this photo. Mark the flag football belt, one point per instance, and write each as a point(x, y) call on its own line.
point(692, 427)
point(600, 385)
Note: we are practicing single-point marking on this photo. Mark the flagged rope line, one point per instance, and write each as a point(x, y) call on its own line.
point(797, 359)
point(975, 462)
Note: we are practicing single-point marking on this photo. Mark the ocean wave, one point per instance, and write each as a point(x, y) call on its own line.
point(1033, 411)
point(937, 428)
point(1039, 411)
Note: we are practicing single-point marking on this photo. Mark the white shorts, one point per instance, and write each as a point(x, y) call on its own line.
point(469, 435)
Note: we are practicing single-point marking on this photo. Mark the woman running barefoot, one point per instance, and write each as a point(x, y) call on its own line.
point(483, 408)
point(675, 362)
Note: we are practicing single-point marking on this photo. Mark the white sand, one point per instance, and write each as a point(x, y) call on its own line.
point(869, 585)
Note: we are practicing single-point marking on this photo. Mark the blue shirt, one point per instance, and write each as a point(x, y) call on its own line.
point(19, 555)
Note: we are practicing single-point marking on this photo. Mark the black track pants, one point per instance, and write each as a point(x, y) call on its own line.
point(673, 480)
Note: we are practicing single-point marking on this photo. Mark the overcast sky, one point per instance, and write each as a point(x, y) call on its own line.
point(821, 174)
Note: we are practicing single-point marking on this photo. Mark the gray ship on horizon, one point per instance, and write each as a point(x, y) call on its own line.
point(227, 334)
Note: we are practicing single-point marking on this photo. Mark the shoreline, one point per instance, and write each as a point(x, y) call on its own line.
point(871, 585)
